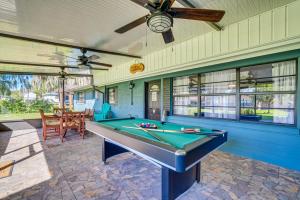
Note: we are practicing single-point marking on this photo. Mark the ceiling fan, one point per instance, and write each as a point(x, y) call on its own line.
point(160, 19)
point(86, 61)
point(62, 74)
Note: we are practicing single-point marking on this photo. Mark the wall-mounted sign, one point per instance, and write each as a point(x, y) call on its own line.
point(137, 67)
point(153, 96)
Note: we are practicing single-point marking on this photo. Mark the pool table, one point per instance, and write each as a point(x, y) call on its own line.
point(178, 154)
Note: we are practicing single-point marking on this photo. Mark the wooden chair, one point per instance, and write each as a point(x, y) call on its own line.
point(52, 125)
point(59, 111)
point(74, 120)
point(89, 114)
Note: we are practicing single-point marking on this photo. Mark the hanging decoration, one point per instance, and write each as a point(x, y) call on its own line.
point(137, 67)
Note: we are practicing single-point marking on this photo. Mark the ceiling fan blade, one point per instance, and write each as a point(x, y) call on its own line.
point(140, 2)
point(168, 36)
point(166, 4)
point(66, 56)
point(88, 66)
point(93, 68)
point(197, 14)
point(93, 57)
point(101, 64)
point(131, 25)
point(151, 5)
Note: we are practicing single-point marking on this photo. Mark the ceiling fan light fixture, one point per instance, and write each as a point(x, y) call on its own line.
point(160, 22)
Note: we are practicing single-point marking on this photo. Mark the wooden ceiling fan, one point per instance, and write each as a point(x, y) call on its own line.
point(160, 19)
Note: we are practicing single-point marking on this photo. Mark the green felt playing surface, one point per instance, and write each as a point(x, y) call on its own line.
point(176, 139)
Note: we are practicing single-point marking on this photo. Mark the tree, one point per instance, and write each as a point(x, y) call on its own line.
point(42, 84)
point(5, 85)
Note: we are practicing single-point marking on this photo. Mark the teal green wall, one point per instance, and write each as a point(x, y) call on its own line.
point(123, 108)
point(274, 144)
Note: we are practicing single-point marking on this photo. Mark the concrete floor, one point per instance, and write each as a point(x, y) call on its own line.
point(73, 170)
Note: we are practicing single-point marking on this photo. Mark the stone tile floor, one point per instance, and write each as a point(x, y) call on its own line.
point(73, 170)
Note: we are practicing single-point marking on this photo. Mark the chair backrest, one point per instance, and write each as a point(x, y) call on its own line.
point(42, 114)
point(91, 113)
point(43, 117)
point(106, 108)
point(87, 111)
point(72, 117)
point(59, 110)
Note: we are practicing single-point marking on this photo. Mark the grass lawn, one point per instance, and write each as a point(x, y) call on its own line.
point(6, 117)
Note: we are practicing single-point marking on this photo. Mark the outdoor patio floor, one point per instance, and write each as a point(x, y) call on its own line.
point(73, 170)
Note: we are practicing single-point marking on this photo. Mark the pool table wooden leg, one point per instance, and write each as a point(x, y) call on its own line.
point(103, 157)
point(198, 172)
point(175, 183)
point(109, 149)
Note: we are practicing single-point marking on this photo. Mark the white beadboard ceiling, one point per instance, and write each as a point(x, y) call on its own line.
point(92, 23)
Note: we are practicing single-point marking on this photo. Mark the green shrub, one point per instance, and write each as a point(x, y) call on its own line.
point(20, 106)
point(36, 105)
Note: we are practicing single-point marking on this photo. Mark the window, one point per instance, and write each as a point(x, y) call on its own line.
point(268, 92)
point(81, 98)
point(218, 94)
point(185, 95)
point(112, 95)
point(262, 93)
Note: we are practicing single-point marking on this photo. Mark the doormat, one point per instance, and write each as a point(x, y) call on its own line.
point(6, 168)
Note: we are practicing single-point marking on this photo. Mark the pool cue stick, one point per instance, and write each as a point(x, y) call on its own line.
point(157, 130)
point(179, 132)
point(208, 134)
point(153, 135)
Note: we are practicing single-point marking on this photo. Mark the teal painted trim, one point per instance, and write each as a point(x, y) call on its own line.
point(171, 96)
point(298, 95)
point(161, 98)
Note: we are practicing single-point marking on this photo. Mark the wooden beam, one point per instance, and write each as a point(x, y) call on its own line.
point(188, 4)
point(42, 73)
point(43, 65)
point(66, 45)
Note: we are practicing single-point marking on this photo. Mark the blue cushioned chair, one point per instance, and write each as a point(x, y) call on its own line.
point(104, 114)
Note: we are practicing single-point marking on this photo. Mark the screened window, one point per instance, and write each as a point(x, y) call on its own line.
point(262, 93)
point(268, 92)
point(218, 94)
point(185, 95)
point(113, 95)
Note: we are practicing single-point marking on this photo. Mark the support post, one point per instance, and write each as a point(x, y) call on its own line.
point(109, 149)
point(175, 183)
point(161, 99)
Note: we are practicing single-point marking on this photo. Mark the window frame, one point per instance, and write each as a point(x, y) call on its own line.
point(115, 95)
point(187, 95)
point(238, 94)
point(217, 94)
